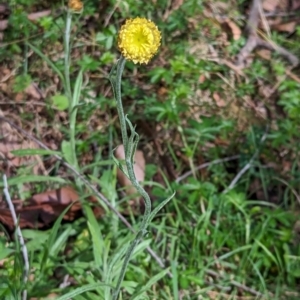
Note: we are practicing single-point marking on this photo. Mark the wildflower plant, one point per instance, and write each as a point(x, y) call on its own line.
point(138, 41)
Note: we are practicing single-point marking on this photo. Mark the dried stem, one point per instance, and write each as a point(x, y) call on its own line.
point(19, 235)
point(254, 41)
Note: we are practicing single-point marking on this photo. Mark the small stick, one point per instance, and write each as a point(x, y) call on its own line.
point(19, 234)
point(207, 164)
point(236, 284)
point(254, 41)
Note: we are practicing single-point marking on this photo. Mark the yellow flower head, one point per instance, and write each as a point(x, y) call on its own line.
point(139, 40)
point(75, 5)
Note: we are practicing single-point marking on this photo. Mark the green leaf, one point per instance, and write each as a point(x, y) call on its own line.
point(26, 152)
point(88, 63)
point(31, 236)
point(114, 266)
point(66, 149)
point(81, 290)
point(175, 280)
point(48, 61)
point(5, 252)
point(52, 237)
point(21, 83)
point(77, 90)
point(139, 294)
point(100, 37)
point(96, 236)
point(159, 207)
point(32, 178)
point(109, 42)
point(61, 102)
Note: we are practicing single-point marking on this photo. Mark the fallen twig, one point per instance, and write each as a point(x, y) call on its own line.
point(207, 164)
point(237, 284)
point(254, 41)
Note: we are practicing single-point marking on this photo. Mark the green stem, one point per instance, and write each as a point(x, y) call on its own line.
point(72, 132)
point(129, 147)
point(67, 58)
point(68, 91)
point(117, 92)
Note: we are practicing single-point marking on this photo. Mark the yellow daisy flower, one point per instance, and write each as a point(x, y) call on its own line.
point(138, 40)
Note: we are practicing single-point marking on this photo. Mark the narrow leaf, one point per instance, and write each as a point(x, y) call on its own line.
point(159, 207)
point(26, 152)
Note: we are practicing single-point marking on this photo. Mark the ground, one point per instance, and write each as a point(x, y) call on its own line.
point(217, 112)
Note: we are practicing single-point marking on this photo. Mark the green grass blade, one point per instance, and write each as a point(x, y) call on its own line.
point(174, 280)
point(48, 61)
point(52, 237)
point(81, 290)
point(147, 286)
point(32, 178)
point(160, 206)
point(25, 152)
point(96, 236)
point(77, 90)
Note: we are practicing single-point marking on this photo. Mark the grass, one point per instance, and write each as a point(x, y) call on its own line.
point(225, 234)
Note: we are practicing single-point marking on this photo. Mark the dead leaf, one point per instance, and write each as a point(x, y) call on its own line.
point(270, 5)
point(286, 27)
point(230, 27)
point(43, 209)
point(139, 170)
point(3, 24)
point(4, 8)
point(265, 90)
point(219, 101)
point(20, 97)
point(295, 4)
point(235, 30)
point(11, 140)
point(33, 91)
point(162, 92)
point(264, 53)
point(201, 78)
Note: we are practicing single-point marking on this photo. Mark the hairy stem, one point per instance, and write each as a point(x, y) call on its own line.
point(68, 91)
point(129, 148)
point(18, 235)
point(67, 57)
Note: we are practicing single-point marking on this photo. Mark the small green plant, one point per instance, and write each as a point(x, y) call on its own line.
point(290, 98)
point(21, 83)
point(138, 41)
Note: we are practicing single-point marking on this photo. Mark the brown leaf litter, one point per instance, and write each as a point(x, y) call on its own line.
point(41, 210)
point(10, 140)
